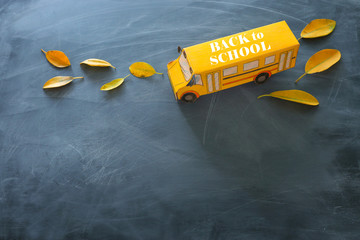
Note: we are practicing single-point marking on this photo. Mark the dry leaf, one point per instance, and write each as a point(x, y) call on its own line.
point(57, 58)
point(142, 69)
point(318, 28)
point(321, 61)
point(113, 84)
point(97, 63)
point(59, 81)
point(294, 96)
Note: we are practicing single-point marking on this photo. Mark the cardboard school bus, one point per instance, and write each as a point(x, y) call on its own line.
point(253, 55)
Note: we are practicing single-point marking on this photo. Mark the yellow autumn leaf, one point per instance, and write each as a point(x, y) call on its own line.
point(318, 28)
point(57, 58)
point(294, 96)
point(97, 63)
point(142, 70)
point(113, 84)
point(321, 61)
point(59, 81)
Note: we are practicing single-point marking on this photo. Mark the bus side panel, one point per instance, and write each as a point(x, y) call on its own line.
point(236, 81)
point(272, 68)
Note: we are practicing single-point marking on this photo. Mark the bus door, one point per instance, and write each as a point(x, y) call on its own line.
point(285, 60)
point(213, 82)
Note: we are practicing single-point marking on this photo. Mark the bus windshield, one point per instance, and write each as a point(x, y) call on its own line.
point(185, 68)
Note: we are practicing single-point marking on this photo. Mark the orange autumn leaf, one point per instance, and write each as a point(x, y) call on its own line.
point(57, 58)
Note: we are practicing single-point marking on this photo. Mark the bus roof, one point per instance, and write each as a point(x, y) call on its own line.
point(240, 47)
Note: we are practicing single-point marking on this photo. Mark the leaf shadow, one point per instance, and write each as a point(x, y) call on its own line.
point(288, 106)
point(333, 70)
point(114, 93)
point(60, 91)
point(316, 42)
point(96, 73)
point(64, 69)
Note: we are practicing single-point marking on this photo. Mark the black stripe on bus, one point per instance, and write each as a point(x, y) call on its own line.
point(225, 78)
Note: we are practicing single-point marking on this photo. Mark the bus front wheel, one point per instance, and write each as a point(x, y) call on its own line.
point(261, 78)
point(189, 97)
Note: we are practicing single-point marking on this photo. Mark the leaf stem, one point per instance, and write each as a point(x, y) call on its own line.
point(299, 38)
point(112, 66)
point(264, 95)
point(300, 77)
point(159, 73)
point(77, 77)
point(43, 51)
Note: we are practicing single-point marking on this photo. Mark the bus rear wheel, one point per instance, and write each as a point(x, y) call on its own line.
point(189, 97)
point(261, 78)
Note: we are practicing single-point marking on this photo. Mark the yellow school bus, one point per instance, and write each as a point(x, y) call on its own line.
point(230, 61)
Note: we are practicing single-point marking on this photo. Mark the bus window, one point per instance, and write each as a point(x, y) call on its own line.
point(197, 78)
point(251, 65)
point(288, 59)
point(216, 78)
point(229, 71)
point(281, 64)
point(209, 81)
point(269, 60)
point(185, 68)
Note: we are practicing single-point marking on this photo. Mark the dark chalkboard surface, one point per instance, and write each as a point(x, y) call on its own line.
point(132, 163)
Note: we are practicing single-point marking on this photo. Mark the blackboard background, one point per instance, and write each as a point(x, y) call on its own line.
point(78, 163)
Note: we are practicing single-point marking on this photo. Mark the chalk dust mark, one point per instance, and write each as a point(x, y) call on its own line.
point(77, 150)
point(331, 90)
point(260, 8)
point(243, 112)
point(337, 91)
point(132, 21)
point(331, 100)
point(210, 111)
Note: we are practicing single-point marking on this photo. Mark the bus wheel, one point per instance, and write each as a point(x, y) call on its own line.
point(261, 78)
point(189, 97)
